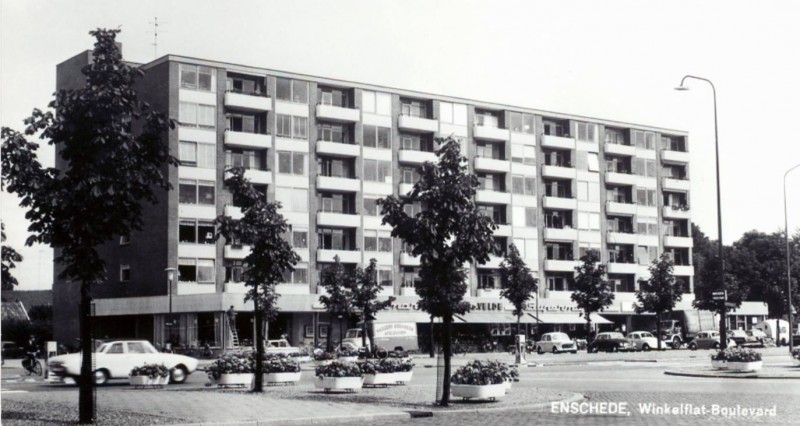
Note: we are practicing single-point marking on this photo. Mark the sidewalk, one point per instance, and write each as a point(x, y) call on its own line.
point(771, 371)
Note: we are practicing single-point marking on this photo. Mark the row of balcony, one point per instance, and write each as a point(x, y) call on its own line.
point(612, 267)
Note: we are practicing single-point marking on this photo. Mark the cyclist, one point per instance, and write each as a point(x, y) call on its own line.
point(29, 363)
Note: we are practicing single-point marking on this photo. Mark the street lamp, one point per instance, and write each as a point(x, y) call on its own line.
point(788, 259)
point(723, 327)
point(170, 276)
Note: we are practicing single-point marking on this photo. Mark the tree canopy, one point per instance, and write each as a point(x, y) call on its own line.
point(365, 290)
point(593, 293)
point(10, 258)
point(338, 301)
point(660, 292)
point(518, 282)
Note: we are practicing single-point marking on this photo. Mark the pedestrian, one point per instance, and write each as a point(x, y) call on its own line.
point(232, 317)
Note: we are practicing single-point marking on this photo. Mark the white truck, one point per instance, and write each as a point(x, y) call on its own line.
point(388, 336)
point(684, 325)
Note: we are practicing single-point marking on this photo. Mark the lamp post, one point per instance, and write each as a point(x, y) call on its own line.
point(723, 326)
point(170, 276)
point(788, 259)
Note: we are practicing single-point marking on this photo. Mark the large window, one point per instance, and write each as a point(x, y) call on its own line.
point(414, 108)
point(299, 238)
point(291, 90)
point(523, 154)
point(589, 221)
point(292, 199)
point(521, 123)
point(198, 78)
point(378, 171)
point(586, 131)
point(371, 207)
point(336, 167)
point(192, 231)
point(197, 115)
point(246, 158)
point(377, 137)
point(336, 203)
point(245, 84)
point(196, 270)
point(489, 150)
point(487, 118)
point(335, 239)
point(646, 197)
point(378, 241)
point(201, 155)
point(195, 192)
point(376, 102)
point(409, 175)
point(289, 126)
point(298, 276)
point(523, 185)
point(248, 123)
point(643, 167)
point(615, 136)
point(523, 216)
point(334, 96)
point(416, 142)
point(334, 132)
point(292, 163)
point(235, 271)
point(453, 113)
point(644, 140)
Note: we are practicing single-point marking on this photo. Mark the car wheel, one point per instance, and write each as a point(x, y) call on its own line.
point(615, 348)
point(539, 350)
point(100, 377)
point(716, 345)
point(676, 343)
point(554, 350)
point(646, 347)
point(178, 374)
point(693, 346)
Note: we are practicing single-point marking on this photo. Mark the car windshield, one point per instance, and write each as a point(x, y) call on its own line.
point(645, 334)
point(141, 348)
point(615, 336)
point(560, 336)
point(352, 334)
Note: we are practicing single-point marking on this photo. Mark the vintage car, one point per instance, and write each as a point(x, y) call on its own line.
point(611, 341)
point(555, 343)
point(644, 341)
point(115, 359)
point(280, 347)
point(708, 340)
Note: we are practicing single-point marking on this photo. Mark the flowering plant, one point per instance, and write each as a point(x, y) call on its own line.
point(338, 369)
point(151, 370)
point(347, 352)
point(324, 356)
point(796, 353)
point(281, 365)
point(480, 373)
point(387, 365)
point(737, 354)
point(231, 364)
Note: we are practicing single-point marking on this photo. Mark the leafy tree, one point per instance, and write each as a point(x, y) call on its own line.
point(448, 232)
point(10, 257)
point(338, 302)
point(593, 293)
point(659, 293)
point(261, 227)
point(111, 172)
point(707, 282)
point(365, 291)
point(518, 283)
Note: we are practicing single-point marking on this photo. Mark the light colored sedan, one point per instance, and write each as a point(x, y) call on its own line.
point(555, 343)
point(708, 340)
point(644, 341)
point(116, 359)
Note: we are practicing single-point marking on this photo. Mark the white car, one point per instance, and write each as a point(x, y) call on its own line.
point(644, 341)
point(555, 343)
point(115, 360)
point(280, 347)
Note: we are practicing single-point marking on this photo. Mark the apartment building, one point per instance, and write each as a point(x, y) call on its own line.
point(556, 184)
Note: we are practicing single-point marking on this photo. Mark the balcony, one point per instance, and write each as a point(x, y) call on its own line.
point(670, 184)
point(247, 140)
point(408, 260)
point(560, 142)
point(622, 238)
point(491, 133)
point(683, 270)
point(559, 172)
point(673, 241)
point(338, 114)
point(502, 231)
point(676, 212)
point(492, 165)
point(619, 149)
point(339, 220)
point(624, 209)
point(338, 184)
point(493, 262)
point(494, 293)
point(492, 197)
point(259, 177)
point(675, 156)
point(337, 149)
point(248, 102)
point(560, 265)
point(560, 234)
point(233, 212)
point(417, 124)
point(408, 291)
point(292, 289)
point(405, 188)
point(622, 268)
point(560, 203)
point(620, 178)
point(416, 157)
point(345, 256)
point(236, 252)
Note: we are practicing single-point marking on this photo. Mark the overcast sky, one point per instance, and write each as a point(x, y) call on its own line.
point(617, 60)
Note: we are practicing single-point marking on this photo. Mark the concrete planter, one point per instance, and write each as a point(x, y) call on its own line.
point(379, 379)
point(744, 367)
point(403, 377)
point(338, 383)
point(719, 364)
point(491, 392)
point(508, 384)
point(347, 358)
point(273, 378)
point(322, 363)
point(235, 379)
point(147, 381)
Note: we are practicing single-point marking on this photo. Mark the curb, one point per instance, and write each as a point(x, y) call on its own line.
point(728, 376)
point(377, 417)
point(575, 397)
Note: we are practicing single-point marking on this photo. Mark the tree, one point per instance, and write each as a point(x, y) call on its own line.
point(365, 291)
point(518, 283)
point(10, 258)
point(659, 293)
point(707, 282)
point(448, 232)
point(261, 227)
point(116, 160)
point(338, 301)
point(593, 293)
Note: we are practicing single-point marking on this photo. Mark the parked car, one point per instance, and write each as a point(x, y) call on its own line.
point(644, 341)
point(280, 346)
point(708, 340)
point(611, 341)
point(757, 337)
point(739, 336)
point(11, 350)
point(115, 360)
point(555, 343)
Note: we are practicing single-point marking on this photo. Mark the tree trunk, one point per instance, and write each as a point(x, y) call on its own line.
point(341, 321)
point(589, 335)
point(86, 406)
point(364, 332)
point(257, 314)
point(447, 339)
point(329, 338)
point(658, 329)
point(433, 340)
point(519, 328)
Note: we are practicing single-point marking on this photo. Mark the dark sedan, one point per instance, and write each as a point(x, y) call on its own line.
point(611, 342)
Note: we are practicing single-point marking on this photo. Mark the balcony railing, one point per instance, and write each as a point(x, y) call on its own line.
point(621, 257)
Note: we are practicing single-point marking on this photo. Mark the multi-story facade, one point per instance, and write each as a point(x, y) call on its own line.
point(556, 184)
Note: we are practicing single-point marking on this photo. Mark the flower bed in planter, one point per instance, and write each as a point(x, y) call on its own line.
point(149, 376)
point(491, 392)
point(737, 360)
point(282, 370)
point(388, 371)
point(234, 370)
point(324, 358)
point(480, 380)
point(796, 355)
point(338, 376)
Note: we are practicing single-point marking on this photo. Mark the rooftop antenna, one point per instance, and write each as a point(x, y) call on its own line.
point(155, 25)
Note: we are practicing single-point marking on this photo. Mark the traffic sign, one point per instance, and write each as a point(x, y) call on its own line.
point(719, 295)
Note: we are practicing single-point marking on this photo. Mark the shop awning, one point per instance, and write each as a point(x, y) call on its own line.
point(566, 318)
point(494, 318)
point(404, 316)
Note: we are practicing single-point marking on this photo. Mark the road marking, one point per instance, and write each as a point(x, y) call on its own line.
point(12, 391)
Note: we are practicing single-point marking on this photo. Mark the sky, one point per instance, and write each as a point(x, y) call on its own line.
point(617, 60)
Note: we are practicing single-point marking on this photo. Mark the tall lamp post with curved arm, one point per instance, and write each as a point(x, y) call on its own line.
point(788, 259)
point(723, 325)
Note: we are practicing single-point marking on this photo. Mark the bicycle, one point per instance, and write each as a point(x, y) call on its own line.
point(31, 364)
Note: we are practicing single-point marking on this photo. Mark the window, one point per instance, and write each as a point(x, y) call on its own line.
point(124, 273)
point(521, 123)
point(643, 167)
point(195, 192)
point(489, 150)
point(292, 163)
point(298, 276)
point(409, 175)
point(201, 155)
point(235, 271)
point(371, 206)
point(644, 140)
point(246, 158)
point(289, 126)
point(336, 167)
point(495, 212)
point(193, 231)
point(196, 270)
point(416, 142)
point(492, 182)
point(196, 115)
point(530, 216)
point(292, 199)
point(523, 185)
point(523, 154)
point(337, 203)
point(385, 277)
point(590, 221)
point(376, 102)
point(487, 118)
point(334, 132)
point(646, 197)
point(378, 171)
point(453, 113)
point(646, 254)
point(291, 90)
point(245, 84)
point(412, 209)
point(593, 163)
point(615, 136)
point(377, 241)
point(586, 131)
point(334, 96)
point(414, 108)
point(335, 239)
point(559, 283)
point(377, 137)
point(198, 78)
